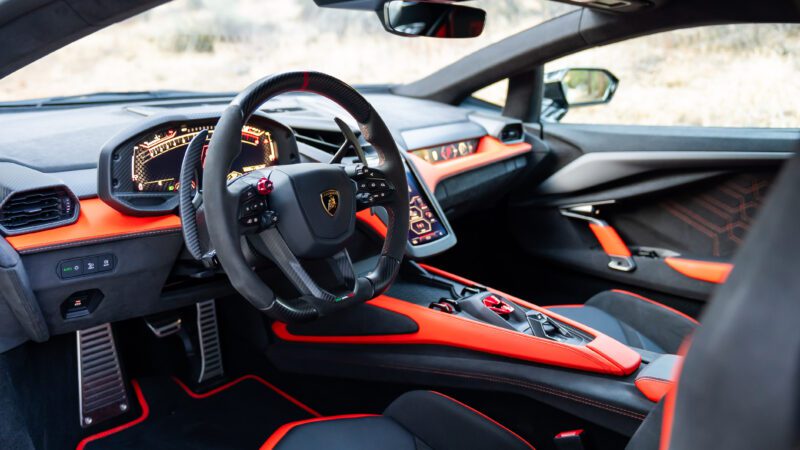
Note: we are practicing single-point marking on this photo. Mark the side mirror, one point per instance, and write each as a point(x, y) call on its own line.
point(439, 20)
point(570, 88)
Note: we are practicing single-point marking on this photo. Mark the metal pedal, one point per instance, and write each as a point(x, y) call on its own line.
point(208, 335)
point(163, 325)
point(101, 387)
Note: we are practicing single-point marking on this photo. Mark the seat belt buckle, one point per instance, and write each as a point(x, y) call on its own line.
point(569, 440)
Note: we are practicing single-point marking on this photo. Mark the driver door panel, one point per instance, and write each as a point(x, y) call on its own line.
point(676, 202)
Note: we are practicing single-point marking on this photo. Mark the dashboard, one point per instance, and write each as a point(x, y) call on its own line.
point(129, 155)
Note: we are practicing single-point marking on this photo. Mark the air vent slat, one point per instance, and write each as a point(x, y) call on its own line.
point(37, 209)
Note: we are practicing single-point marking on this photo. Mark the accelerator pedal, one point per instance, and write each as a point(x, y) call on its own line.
point(101, 386)
point(208, 335)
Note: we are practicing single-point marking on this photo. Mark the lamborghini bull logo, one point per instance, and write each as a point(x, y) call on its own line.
point(330, 201)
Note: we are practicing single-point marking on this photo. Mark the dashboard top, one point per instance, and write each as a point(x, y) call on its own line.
point(64, 140)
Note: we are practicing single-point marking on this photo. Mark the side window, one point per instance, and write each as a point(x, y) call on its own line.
point(494, 93)
point(728, 76)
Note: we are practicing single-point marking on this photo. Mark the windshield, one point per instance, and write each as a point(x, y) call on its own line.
point(224, 45)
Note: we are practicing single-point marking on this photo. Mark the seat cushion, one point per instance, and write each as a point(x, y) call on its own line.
point(417, 420)
point(633, 320)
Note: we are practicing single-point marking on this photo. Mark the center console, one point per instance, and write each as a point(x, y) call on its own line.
point(480, 304)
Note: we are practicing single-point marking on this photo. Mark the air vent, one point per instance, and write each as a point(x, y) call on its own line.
point(511, 133)
point(38, 209)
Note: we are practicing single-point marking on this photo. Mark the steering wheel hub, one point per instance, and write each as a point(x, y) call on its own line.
point(316, 206)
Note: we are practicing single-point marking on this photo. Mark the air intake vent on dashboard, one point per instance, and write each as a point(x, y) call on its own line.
point(37, 209)
point(511, 132)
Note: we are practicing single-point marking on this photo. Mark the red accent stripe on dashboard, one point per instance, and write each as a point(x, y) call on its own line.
point(97, 221)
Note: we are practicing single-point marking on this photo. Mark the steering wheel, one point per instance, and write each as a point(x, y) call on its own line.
point(303, 211)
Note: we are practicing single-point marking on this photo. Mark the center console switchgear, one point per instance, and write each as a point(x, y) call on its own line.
point(484, 306)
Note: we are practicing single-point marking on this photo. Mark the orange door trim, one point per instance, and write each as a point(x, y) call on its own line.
point(609, 239)
point(709, 271)
point(97, 222)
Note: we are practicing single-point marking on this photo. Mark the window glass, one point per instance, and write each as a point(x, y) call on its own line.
point(224, 45)
point(732, 75)
point(494, 93)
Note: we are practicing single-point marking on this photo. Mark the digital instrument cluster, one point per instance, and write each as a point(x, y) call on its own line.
point(156, 159)
point(447, 152)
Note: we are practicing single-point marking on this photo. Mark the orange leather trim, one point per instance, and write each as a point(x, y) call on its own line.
point(373, 221)
point(602, 355)
point(710, 271)
point(653, 388)
point(97, 220)
point(490, 150)
point(281, 432)
point(609, 239)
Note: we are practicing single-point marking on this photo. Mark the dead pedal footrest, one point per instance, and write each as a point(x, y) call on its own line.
point(101, 386)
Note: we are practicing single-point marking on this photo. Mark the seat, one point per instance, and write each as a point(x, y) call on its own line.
point(417, 420)
point(633, 320)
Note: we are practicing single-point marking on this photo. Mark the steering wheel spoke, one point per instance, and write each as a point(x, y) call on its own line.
point(350, 288)
point(373, 186)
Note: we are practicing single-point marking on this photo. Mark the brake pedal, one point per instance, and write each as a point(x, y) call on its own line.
point(101, 386)
point(208, 336)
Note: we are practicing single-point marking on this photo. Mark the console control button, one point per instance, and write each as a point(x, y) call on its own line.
point(105, 262)
point(89, 265)
point(70, 268)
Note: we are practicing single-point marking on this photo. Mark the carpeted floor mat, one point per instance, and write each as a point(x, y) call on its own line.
point(241, 414)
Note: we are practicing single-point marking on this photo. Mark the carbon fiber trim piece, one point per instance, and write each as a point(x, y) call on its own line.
point(189, 169)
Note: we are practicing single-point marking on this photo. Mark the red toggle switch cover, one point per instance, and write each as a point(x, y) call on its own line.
point(264, 186)
point(499, 306)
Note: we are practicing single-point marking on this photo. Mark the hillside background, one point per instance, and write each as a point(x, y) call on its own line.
point(740, 75)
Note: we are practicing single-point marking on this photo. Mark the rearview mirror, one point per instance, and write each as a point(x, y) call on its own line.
point(439, 20)
point(580, 87)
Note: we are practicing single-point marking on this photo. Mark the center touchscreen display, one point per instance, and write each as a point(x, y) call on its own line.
point(424, 223)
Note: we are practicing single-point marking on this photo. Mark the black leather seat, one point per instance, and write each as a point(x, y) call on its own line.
point(417, 420)
point(633, 320)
